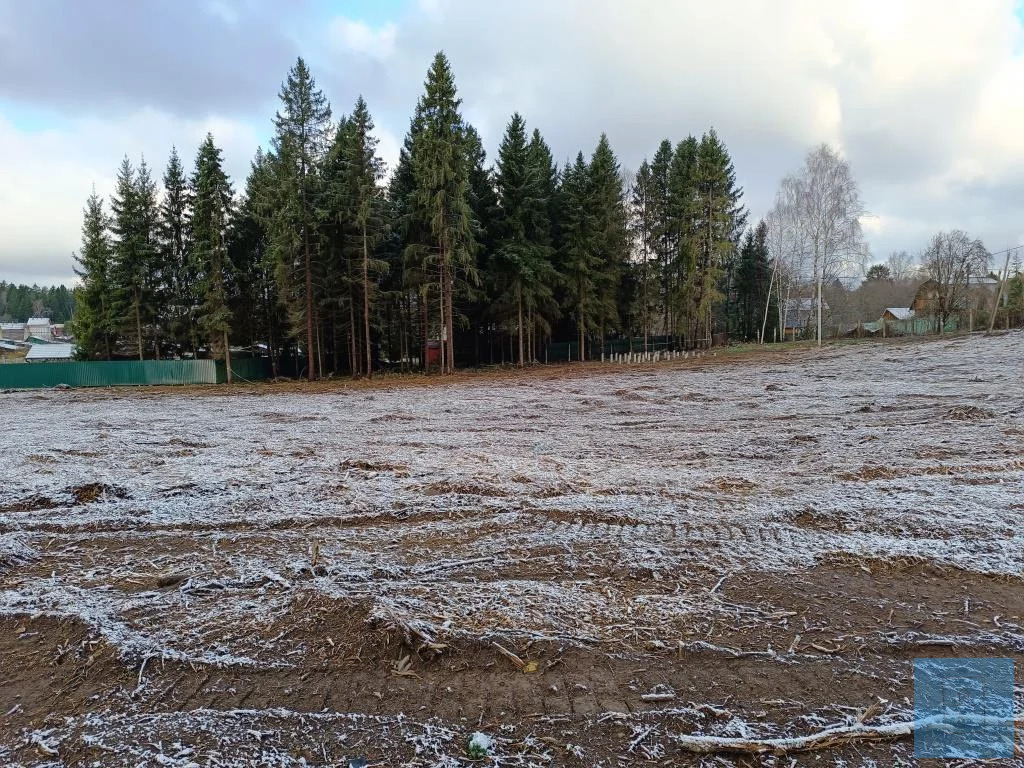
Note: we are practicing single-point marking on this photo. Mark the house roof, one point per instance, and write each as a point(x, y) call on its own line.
point(900, 313)
point(803, 305)
point(38, 321)
point(982, 280)
point(12, 326)
point(50, 352)
point(8, 346)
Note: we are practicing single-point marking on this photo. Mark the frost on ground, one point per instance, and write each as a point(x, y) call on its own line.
point(586, 569)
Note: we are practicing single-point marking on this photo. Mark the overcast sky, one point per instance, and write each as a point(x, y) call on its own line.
point(925, 99)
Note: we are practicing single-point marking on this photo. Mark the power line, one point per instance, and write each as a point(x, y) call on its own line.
point(1007, 250)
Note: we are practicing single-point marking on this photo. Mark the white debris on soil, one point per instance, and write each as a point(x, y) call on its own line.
point(526, 509)
point(14, 551)
point(480, 744)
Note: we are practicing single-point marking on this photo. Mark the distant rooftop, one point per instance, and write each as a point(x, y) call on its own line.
point(38, 321)
point(50, 352)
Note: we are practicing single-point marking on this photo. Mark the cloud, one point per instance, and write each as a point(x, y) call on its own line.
point(48, 174)
point(925, 98)
point(360, 38)
point(189, 57)
point(922, 97)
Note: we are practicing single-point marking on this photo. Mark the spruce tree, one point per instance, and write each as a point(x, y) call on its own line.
point(336, 275)
point(92, 326)
point(177, 294)
point(405, 250)
point(133, 224)
point(302, 138)
point(611, 239)
point(366, 169)
point(664, 232)
point(753, 276)
point(643, 223)
point(577, 252)
point(483, 203)
point(442, 192)
point(719, 221)
point(212, 202)
point(523, 272)
point(257, 308)
point(542, 231)
point(681, 222)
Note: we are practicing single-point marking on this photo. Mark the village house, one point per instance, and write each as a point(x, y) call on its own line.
point(798, 315)
point(12, 331)
point(39, 328)
point(894, 314)
point(980, 293)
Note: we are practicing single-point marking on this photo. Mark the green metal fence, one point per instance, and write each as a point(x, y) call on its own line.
point(128, 373)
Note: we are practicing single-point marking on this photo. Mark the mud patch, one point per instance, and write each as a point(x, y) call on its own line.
point(93, 492)
point(969, 413)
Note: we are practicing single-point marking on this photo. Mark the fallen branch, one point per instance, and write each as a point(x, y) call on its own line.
point(657, 697)
point(509, 655)
point(830, 737)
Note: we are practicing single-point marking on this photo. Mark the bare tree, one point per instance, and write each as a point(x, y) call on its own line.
point(822, 208)
point(901, 266)
point(949, 261)
point(787, 248)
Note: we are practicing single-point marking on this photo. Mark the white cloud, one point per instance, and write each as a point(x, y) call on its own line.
point(360, 38)
point(925, 98)
point(47, 176)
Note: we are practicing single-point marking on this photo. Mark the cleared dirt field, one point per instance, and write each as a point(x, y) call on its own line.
point(612, 569)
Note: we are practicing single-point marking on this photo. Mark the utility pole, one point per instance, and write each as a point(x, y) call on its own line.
point(820, 270)
point(999, 292)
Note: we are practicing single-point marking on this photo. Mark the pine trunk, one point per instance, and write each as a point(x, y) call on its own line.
point(424, 319)
point(138, 321)
point(310, 350)
point(366, 305)
point(519, 304)
point(227, 357)
point(353, 353)
point(450, 320)
point(442, 295)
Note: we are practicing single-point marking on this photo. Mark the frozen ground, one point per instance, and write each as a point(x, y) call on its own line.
point(587, 569)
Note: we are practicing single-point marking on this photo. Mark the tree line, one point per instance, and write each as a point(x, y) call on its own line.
point(325, 267)
point(20, 302)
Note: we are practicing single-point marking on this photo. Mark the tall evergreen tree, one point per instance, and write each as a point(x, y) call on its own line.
point(483, 203)
point(577, 258)
point(542, 231)
point(336, 301)
point(611, 237)
point(406, 250)
point(753, 276)
point(517, 187)
point(643, 221)
point(93, 326)
point(367, 171)
point(664, 232)
point(212, 203)
point(442, 192)
point(681, 224)
point(257, 308)
point(718, 224)
point(133, 224)
point(177, 293)
point(302, 138)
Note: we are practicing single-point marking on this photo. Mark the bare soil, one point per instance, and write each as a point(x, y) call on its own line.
point(585, 563)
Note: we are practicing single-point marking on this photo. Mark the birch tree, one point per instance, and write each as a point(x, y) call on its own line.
point(822, 208)
point(949, 261)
